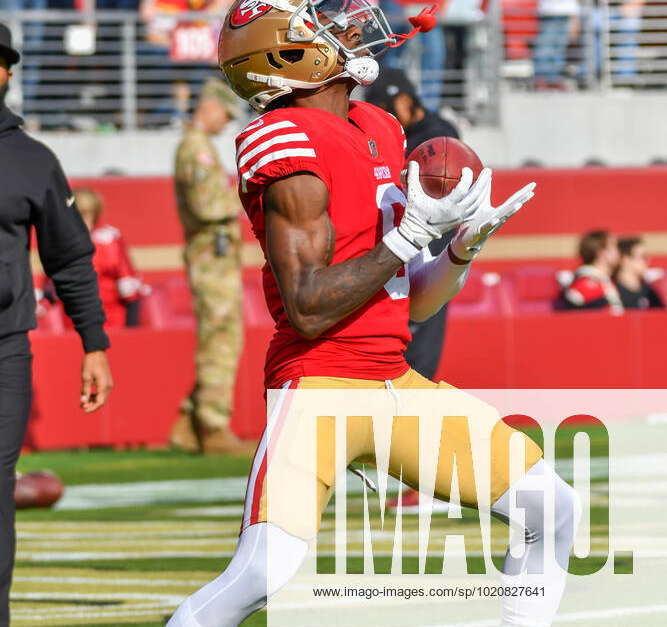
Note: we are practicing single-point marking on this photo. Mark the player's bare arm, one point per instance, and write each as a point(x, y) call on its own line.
point(300, 242)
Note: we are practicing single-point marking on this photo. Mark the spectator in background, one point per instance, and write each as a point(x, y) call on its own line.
point(120, 286)
point(208, 206)
point(592, 286)
point(634, 290)
point(394, 93)
point(430, 46)
point(160, 53)
point(557, 20)
point(162, 16)
point(617, 27)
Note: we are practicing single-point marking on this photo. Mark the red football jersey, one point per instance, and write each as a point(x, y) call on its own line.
point(591, 289)
point(360, 161)
point(118, 280)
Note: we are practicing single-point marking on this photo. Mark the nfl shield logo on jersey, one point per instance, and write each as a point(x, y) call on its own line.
point(373, 148)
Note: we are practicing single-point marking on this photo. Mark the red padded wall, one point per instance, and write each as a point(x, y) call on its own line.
point(153, 369)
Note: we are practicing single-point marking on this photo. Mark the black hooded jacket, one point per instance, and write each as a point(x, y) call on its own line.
point(34, 192)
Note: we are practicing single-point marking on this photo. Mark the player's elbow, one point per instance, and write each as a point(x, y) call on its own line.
point(308, 327)
point(308, 332)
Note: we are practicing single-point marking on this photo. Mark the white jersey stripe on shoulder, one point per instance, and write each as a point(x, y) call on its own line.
point(279, 139)
point(265, 130)
point(274, 156)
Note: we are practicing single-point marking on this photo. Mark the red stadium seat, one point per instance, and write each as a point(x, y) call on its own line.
point(532, 289)
point(168, 306)
point(482, 295)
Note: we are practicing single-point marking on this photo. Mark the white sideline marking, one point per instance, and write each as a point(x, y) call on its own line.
point(111, 582)
point(112, 542)
point(84, 610)
point(96, 596)
point(118, 614)
point(227, 490)
point(101, 535)
point(152, 492)
point(67, 556)
point(232, 489)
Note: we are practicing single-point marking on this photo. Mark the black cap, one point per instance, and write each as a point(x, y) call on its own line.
point(7, 52)
point(388, 85)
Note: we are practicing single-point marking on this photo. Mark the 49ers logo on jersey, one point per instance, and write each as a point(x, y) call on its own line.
point(246, 11)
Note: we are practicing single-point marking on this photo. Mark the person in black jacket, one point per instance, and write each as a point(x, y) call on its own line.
point(34, 192)
point(635, 291)
point(394, 93)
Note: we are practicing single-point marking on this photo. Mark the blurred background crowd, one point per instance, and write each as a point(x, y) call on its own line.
point(123, 64)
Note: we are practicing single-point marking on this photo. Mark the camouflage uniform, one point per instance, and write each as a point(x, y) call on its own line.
point(208, 206)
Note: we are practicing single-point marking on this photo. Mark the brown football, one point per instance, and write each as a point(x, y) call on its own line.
point(441, 160)
point(38, 489)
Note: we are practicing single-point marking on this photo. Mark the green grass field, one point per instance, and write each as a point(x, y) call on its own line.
point(131, 565)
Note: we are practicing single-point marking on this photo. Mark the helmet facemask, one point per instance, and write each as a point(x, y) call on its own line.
point(308, 43)
point(318, 22)
point(328, 18)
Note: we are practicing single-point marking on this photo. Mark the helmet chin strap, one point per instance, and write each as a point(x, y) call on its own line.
point(363, 70)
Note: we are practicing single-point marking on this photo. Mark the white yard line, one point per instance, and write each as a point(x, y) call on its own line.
point(96, 596)
point(101, 535)
point(67, 556)
point(232, 489)
point(84, 610)
point(110, 582)
point(37, 617)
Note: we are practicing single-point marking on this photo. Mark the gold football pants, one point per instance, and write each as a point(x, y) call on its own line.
point(290, 481)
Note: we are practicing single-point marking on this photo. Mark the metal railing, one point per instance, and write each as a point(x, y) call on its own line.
point(468, 49)
point(125, 82)
point(121, 81)
point(609, 44)
point(110, 74)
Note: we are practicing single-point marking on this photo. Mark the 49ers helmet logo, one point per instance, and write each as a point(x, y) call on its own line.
point(248, 10)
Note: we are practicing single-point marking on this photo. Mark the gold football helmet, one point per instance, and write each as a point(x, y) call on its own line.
point(268, 48)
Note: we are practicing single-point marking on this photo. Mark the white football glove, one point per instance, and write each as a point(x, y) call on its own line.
point(426, 218)
point(485, 221)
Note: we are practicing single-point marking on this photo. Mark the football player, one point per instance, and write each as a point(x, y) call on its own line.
point(347, 267)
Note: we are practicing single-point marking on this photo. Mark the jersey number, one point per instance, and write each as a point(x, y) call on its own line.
point(391, 203)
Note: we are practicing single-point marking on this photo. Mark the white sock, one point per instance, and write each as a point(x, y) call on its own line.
point(249, 579)
point(549, 539)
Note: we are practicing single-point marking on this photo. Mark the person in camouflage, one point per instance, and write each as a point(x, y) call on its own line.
point(208, 207)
